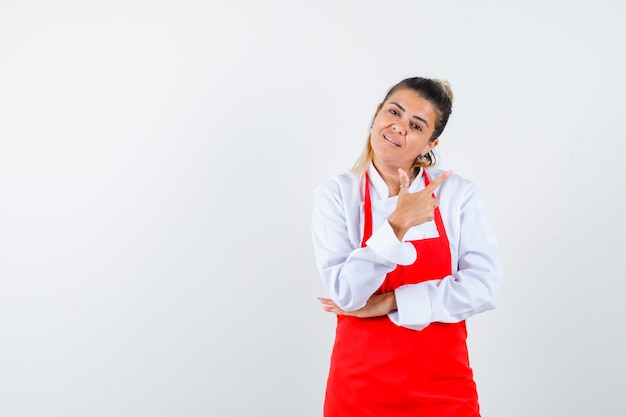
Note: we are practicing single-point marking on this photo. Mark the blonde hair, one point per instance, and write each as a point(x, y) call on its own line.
point(439, 93)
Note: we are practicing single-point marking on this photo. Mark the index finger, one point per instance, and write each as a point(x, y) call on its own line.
point(437, 182)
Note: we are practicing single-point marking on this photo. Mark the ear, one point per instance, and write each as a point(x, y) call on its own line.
point(380, 106)
point(430, 146)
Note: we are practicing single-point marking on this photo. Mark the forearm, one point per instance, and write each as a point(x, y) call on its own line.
point(449, 300)
point(351, 280)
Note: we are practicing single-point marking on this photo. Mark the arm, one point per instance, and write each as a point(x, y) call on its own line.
point(476, 280)
point(351, 274)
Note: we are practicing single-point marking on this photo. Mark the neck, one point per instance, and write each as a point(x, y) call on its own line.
point(391, 177)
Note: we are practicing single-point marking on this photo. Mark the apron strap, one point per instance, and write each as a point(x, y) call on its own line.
point(438, 221)
point(367, 211)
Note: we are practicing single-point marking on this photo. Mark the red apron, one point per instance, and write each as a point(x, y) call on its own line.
point(379, 369)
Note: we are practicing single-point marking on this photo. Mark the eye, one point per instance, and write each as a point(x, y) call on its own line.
point(392, 111)
point(416, 127)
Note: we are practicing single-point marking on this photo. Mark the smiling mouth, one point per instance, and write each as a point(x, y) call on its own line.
point(391, 140)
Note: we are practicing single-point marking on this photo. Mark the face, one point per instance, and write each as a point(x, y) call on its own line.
point(401, 130)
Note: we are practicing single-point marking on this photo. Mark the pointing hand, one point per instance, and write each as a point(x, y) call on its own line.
point(413, 209)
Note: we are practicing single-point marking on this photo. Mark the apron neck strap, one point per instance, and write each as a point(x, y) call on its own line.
point(367, 211)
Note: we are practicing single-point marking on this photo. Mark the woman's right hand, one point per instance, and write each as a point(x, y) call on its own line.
point(413, 209)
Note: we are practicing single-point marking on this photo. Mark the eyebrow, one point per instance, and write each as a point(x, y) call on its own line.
point(417, 117)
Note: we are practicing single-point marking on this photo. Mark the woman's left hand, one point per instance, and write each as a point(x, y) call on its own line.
point(377, 305)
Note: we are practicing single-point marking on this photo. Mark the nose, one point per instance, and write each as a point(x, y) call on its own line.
point(398, 128)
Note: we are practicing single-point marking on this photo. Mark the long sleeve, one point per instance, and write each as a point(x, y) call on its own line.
point(351, 273)
point(477, 275)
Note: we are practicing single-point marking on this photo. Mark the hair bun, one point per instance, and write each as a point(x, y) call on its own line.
point(447, 88)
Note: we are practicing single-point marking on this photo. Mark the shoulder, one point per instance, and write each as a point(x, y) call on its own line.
point(457, 191)
point(339, 193)
point(455, 184)
point(338, 184)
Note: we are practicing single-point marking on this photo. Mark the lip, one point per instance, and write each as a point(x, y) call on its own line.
point(390, 140)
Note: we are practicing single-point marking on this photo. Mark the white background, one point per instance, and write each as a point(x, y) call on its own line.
point(157, 165)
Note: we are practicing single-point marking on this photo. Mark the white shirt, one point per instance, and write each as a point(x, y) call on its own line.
point(351, 274)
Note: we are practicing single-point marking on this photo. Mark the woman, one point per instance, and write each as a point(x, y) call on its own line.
point(406, 253)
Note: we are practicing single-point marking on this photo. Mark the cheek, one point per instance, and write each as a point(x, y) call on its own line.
point(381, 119)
